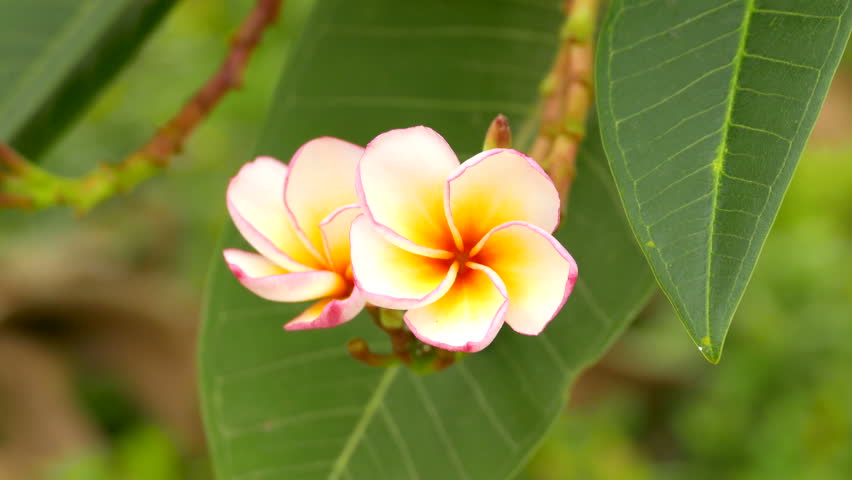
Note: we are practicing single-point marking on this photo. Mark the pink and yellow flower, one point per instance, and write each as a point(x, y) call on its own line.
point(464, 248)
point(298, 218)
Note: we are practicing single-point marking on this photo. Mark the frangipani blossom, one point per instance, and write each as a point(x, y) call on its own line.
point(464, 248)
point(298, 219)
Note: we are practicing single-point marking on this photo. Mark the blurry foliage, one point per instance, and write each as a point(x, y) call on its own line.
point(185, 50)
point(145, 453)
point(170, 224)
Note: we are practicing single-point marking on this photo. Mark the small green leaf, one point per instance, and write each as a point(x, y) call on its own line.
point(294, 405)
point(57, 54)
point(705, 108)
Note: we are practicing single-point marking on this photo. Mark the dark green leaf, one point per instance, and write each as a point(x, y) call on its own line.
point(705, 107)
point(293, 404)
point(57, 54)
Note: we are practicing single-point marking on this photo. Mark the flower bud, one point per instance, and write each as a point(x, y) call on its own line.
point(499, 134)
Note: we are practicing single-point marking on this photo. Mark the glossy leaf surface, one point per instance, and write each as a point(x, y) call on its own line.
point(293, 404)
point(705, 107)
point(55, 55)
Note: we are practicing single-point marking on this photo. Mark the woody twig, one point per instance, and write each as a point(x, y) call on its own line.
point(26, 186)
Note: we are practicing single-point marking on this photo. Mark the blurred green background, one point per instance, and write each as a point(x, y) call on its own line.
point(778, 406)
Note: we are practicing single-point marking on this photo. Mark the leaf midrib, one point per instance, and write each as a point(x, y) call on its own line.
point(707, 347)
point(373, 405)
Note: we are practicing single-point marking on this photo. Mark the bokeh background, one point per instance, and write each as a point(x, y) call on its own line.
point(98, 314)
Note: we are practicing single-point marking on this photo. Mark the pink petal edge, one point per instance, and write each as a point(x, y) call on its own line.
point(331, 216)
point(337, 312)
point(493, 328)
point(397, 303)
point(291, 216)
point(258, 240)
point(279, 288)
point(386, 231)
point(572, 276)
point(476, 160)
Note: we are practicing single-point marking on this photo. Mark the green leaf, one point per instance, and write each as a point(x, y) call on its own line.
point(705, 108)
point(293, 404)
point(57, 54)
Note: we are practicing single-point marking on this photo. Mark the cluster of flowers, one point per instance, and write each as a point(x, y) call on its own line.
point(403, 225)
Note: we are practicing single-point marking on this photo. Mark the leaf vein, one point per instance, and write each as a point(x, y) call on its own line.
point(487, 408)
point(674, 27)
point(760, 130)
point(439, 426)
point(678, 92)
point(373, 404)
point(674, 58)
point(400, 442)
point(779, 60)
point(795, 14)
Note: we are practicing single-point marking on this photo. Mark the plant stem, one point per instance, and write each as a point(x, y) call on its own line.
point(567, 96)
point(23, 185)
point(406, 348)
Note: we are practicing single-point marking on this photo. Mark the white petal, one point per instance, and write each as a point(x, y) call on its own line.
point(335, 236)
point(269, 281)
point(467, 317)
point(392, 277)
point(328, 312)
point(320, 181)
point(401, 187)
point(255, 200)
point(495, 187)
point(538, 272)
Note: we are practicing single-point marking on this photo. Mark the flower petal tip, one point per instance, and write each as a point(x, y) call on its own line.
point(470, 346)
point(328, 313)
point(401, 168)
point(486, 302)
point(519, 190)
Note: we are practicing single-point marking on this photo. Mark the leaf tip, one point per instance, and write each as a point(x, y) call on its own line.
point(712, 352)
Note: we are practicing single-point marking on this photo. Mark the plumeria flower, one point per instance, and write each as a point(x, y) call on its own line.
point(463, 248)
point(298, 219)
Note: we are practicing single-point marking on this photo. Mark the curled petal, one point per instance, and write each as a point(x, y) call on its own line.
point(255, 202)
point(400, 182)
point(538, 272)
point(468, 317)
point(328, 312)
point(392, 277)
point(321, 180)
point(335, 236)
point(495, 187)
point(269, 281)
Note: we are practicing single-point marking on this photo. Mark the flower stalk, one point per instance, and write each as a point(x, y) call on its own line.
point(25, 186)
point(567, 96)
point(406, 349)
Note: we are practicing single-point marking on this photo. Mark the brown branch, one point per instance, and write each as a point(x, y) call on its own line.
point(26, 186)
point(11, 160)
point(15, 201)
point(406, 349)
point(170, 138)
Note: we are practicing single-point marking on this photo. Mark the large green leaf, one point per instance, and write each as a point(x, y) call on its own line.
point(57, 54)
point(705, 107)
point(294, 405)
